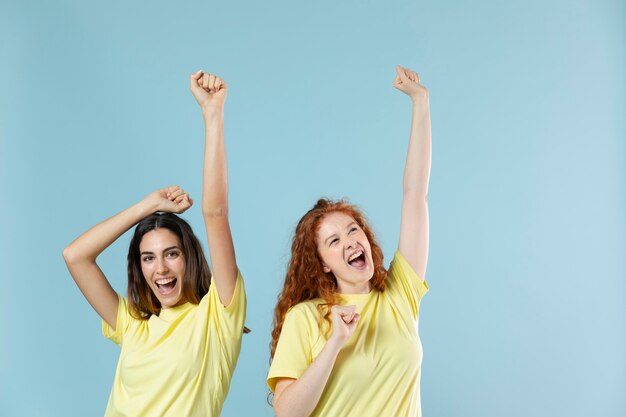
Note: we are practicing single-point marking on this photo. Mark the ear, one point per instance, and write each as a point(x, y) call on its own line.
point(325, 268)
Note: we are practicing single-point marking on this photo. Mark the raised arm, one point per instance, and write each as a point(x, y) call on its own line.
point(80, 256)
point(210, 93)
point(413, 243)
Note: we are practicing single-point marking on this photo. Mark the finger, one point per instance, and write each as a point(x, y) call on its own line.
point(212, 83)
point(338, 312)
point(205, 81)
point(219, 84)
point(169, 190)
point(350, 314)
point(194, 78)
point(401, 73)
point(347, 318)
point(177, 194)
point(347, 313)
point(352, 324)
point(178, 190)
point(181, 200)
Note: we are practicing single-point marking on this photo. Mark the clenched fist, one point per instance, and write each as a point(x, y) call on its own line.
point(209, 90)
point(408, 82)
point(171, 199)
point(345, 319)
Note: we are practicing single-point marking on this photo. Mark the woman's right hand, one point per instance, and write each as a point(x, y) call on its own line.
point(171, 199)
point(345, 319)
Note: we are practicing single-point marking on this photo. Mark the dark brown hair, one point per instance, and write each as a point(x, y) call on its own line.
point(197, 280)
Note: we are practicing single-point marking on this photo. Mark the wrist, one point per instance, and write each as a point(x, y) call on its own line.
point(146, 207)
point(420, 101)
point(335, 343)
point(212, 112)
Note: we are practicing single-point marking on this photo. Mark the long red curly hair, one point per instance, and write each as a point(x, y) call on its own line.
point(305, 278)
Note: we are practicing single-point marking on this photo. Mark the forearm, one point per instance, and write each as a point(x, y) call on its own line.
point(300, 398)
point(418, 161)
point(215, 173)
point(90, 244)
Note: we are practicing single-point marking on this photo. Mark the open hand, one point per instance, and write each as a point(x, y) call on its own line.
point(171, 199)
point(408, 82)
point(209, 90)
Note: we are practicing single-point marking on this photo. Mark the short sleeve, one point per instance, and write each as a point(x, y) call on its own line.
point(121, 324)
point(294, 349)
point(228, 320)
point(405, 279)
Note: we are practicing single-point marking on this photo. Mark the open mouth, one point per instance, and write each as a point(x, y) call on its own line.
point(357, 260)
point(166, 285)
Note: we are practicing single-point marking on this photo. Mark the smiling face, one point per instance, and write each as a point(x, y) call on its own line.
point(163, 266)
point(346, 252)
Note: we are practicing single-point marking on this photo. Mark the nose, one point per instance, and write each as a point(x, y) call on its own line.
point(162, 266)
point(351, 244)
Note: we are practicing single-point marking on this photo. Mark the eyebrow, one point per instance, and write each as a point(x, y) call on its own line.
point(333, 235)
point(164, 250)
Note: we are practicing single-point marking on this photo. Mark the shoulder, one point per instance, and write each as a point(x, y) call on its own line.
point(307, 309)
point(400, 268)
point(404, 283)
point(306, 316)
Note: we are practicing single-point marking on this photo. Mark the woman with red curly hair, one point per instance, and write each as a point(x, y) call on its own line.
point(345, 340)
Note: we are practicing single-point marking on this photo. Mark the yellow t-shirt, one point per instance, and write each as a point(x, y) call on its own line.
point(377, 371)
point(179, 363)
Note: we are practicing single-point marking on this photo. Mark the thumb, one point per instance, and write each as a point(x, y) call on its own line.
point(401, 73)
point(194, 78)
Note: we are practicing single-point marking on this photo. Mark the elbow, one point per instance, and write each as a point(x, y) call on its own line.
point(278, 411)
point(416, 194)
point(69, 255)
point(282, 409)
point(214, 212)
point(73, 256)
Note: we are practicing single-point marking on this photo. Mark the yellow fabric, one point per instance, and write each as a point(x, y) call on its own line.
point(377, 372)
point(179, 363)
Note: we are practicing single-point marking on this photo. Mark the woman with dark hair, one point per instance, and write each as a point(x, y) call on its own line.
point(345, 340)
point(180, 327)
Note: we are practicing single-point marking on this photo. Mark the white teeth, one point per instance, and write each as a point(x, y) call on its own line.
point(355, 255)
point(164, 281)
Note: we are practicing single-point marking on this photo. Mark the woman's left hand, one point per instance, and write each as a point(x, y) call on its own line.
point(171, 199)
point(408, 82)
point(209, 90)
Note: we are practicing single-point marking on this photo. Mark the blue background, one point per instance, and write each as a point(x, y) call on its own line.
point(526, 314)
